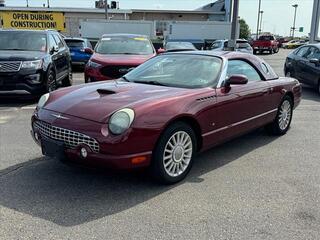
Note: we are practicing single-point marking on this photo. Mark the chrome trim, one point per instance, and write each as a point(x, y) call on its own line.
point(224, 72)
point(70, 138)
point(239, 123)
point(60, 116)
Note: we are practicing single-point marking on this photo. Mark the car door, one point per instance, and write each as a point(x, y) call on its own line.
point(301, 64)
point(311, 71)
point(62, 56)
point(241, 108)
point(53, 49)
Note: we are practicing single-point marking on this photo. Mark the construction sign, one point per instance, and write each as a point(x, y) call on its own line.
point(33, 20)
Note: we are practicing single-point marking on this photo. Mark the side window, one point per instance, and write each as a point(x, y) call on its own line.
point(244, 68)
point(59, 42)
point(312, 53)
point(302, 51)
point(216, 45)
point(52, 42)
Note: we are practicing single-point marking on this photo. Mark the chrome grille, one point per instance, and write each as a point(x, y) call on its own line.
point(70, 138)
point(10, 66)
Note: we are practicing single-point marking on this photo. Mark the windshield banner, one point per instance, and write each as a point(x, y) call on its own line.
point(33, 20)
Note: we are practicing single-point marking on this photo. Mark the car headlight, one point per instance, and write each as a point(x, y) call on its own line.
point(42, 101)
point(32, 64)
point(120, 121)
point(93, 64)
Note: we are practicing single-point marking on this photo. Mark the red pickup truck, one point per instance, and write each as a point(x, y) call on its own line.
point(266, 43)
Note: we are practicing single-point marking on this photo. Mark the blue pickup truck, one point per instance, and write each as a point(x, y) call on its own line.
point(80, 50)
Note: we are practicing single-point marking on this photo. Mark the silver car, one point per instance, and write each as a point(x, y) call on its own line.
point(241, 46)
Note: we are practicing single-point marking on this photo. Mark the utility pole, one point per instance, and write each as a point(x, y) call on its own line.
point(258, 23)
point(106, 9)
point(260, 29)
point(294, 19)
point(27, 3)
point(315, 23)
point(234, 28)
point(48, 3)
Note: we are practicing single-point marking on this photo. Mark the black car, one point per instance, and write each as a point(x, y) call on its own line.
point(304, 64)
point(34, 61)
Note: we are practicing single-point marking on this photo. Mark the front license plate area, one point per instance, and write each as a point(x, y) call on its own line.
point(52, 148)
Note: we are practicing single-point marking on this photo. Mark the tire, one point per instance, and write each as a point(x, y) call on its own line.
point(51, 83)
point(67, 81)
point(255, 52)
point(319, 87)
point(173, 155)
point(276, 50)
point(282, 122)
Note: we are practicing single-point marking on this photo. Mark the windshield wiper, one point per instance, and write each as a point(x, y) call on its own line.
point(151, 83)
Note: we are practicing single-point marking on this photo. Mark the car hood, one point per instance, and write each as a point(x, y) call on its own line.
point(115, 59)
point(10, 55)
point(97, 101)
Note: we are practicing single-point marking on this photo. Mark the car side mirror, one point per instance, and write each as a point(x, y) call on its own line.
point(54, 49)
point(88, 50)
point(315, 61)
point(236, 79)
point(161, 50)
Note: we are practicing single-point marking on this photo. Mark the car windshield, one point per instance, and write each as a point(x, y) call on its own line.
point(178, 70)
point(125, 45)
point(266, 38)
point(241, 45)
point(179, 45)
point(74, 43)
point(23, 41)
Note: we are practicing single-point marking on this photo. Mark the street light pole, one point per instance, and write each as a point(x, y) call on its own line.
point(234, 28)
point(260, 29)
point(259, 10)
point(27, 3)
point(294, 19)
point(106, 9)
point(48, 3)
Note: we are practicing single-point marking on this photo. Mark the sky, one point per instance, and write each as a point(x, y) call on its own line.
point(277, 17)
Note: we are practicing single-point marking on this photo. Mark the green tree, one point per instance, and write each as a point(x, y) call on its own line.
point(244, 29)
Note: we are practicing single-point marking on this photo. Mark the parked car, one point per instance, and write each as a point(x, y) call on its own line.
point(163, 112)
point(80, 50)
point(281, 41)
point(241, 46)
point(117, 54)
point(304, 64)
point(179, 46)
point(33, 61)
point(266, 43)
point(294, 44)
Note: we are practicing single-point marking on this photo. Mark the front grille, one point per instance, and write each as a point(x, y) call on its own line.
point(10, 66)
point(115, 72)
point(70, 138)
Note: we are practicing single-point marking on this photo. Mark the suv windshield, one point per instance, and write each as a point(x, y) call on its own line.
point(125, 45)
point(23, 41)
point(74, 43)
point(178, 70)
point(266, 38)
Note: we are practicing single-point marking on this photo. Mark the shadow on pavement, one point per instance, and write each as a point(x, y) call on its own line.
point(309, 93)
point(69, 196)
point(17, 99)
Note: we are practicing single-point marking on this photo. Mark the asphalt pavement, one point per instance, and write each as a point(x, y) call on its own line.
point(254, 187)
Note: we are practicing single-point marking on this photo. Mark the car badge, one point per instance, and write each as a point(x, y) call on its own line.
point(59, 116)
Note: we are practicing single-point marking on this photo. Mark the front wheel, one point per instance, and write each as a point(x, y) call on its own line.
point(282, 123)
point(51, 83)
point(276, 50)
point(174, 153)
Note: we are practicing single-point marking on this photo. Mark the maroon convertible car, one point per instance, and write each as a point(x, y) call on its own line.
point(164, 112)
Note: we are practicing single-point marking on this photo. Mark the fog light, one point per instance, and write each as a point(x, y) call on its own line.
point(84, 152)
point(35, 78)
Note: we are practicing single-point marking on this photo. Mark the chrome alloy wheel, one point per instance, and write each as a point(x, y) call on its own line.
point(177, 154)
point(285, 115)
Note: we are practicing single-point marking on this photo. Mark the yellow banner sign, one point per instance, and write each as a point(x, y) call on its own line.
point(33, 20)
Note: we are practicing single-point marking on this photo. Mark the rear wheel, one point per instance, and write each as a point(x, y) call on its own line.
point(173, 155)
point(319, 87)
point(67, 81)
point(276, 50)
point(282, 122)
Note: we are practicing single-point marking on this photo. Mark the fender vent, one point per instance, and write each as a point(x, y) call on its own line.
point(209, 98)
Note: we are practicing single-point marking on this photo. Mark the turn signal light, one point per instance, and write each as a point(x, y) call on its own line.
point(138, 160)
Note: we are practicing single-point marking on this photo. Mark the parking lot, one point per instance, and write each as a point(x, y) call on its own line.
point(254, 187)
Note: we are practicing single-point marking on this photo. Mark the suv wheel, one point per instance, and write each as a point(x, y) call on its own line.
point(67, 81)
point(51, 83)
